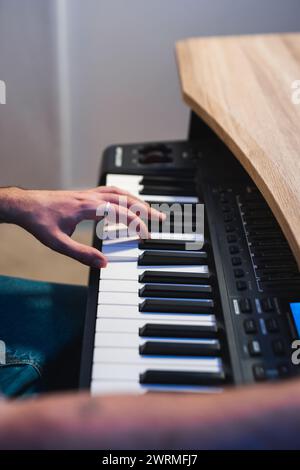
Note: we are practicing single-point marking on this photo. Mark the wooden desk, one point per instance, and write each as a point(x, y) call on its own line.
point(242, 88)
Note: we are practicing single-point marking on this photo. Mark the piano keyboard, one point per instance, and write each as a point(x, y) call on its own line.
point(164, 318)
point(156, 319)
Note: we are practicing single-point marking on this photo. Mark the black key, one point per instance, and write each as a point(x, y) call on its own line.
point(161, 258)
point(165, 377)
point(168, 191)
point(176, 291)
point(176, 306)
point(178, 331)
point(170, 277)
point(233, 249)
point(157, 180)
point(174, 245)
point(160, 348)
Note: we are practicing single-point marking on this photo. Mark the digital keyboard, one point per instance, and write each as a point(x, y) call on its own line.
point(164, 318)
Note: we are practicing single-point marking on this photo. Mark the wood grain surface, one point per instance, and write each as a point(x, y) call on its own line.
point(241, 86)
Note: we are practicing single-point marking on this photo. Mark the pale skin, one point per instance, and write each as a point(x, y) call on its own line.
point(262, 416)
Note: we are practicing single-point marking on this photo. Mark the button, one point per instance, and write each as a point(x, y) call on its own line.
point(254, 348)
point(272, 325)
point(245, 305)
point(238, 272)
point(226, 209)
point(233, 250)
point(241, 285)
point(259, 372)
point(229, 228)
point(283, 370)
point(250, 326)
point(231, 238)
point(267, 304)
point(236, 261)
point(228, 218)
point(224, 198)
point(278, 347)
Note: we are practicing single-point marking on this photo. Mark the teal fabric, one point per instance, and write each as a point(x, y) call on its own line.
point(41, 325)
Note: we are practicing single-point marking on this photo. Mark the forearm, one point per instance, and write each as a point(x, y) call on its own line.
point(10, 204)
point(266, 417)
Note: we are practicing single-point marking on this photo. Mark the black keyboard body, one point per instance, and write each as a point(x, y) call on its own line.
point(254, 270)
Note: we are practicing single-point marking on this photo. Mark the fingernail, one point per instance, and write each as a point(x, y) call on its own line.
point(100, 264)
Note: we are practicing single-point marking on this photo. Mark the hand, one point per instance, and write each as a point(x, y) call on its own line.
point(52, 216)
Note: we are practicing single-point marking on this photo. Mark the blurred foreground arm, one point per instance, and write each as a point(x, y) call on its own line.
point(260, 417)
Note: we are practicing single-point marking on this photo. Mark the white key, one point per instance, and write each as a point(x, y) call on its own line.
point(132, 183)
point(128, 182)
point(132, 311)
point(131, 325)
point(118, 233)
point(133, 253)
point(132, 356)
point(130, 271)
point(101, 387)
point(169, 199)
point(123, 371)
point(107, 285)
point(132, 298)
point(133, 340)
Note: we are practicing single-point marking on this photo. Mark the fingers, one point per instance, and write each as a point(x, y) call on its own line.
point(108, 192)
point(134, 204)
point(111, 190)
point(137, 225)
point(84, 254)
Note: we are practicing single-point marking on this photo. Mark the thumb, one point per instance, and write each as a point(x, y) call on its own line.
point(84, 254)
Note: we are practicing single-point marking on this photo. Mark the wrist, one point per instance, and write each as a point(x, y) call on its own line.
point(11, 204)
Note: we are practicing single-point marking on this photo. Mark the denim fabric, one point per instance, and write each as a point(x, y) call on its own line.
point(41, 325)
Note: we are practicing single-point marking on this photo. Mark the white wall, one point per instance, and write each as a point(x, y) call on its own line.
point(30, 120)
point(114, 79)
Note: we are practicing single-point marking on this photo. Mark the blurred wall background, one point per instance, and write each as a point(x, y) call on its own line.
point(82, 74)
